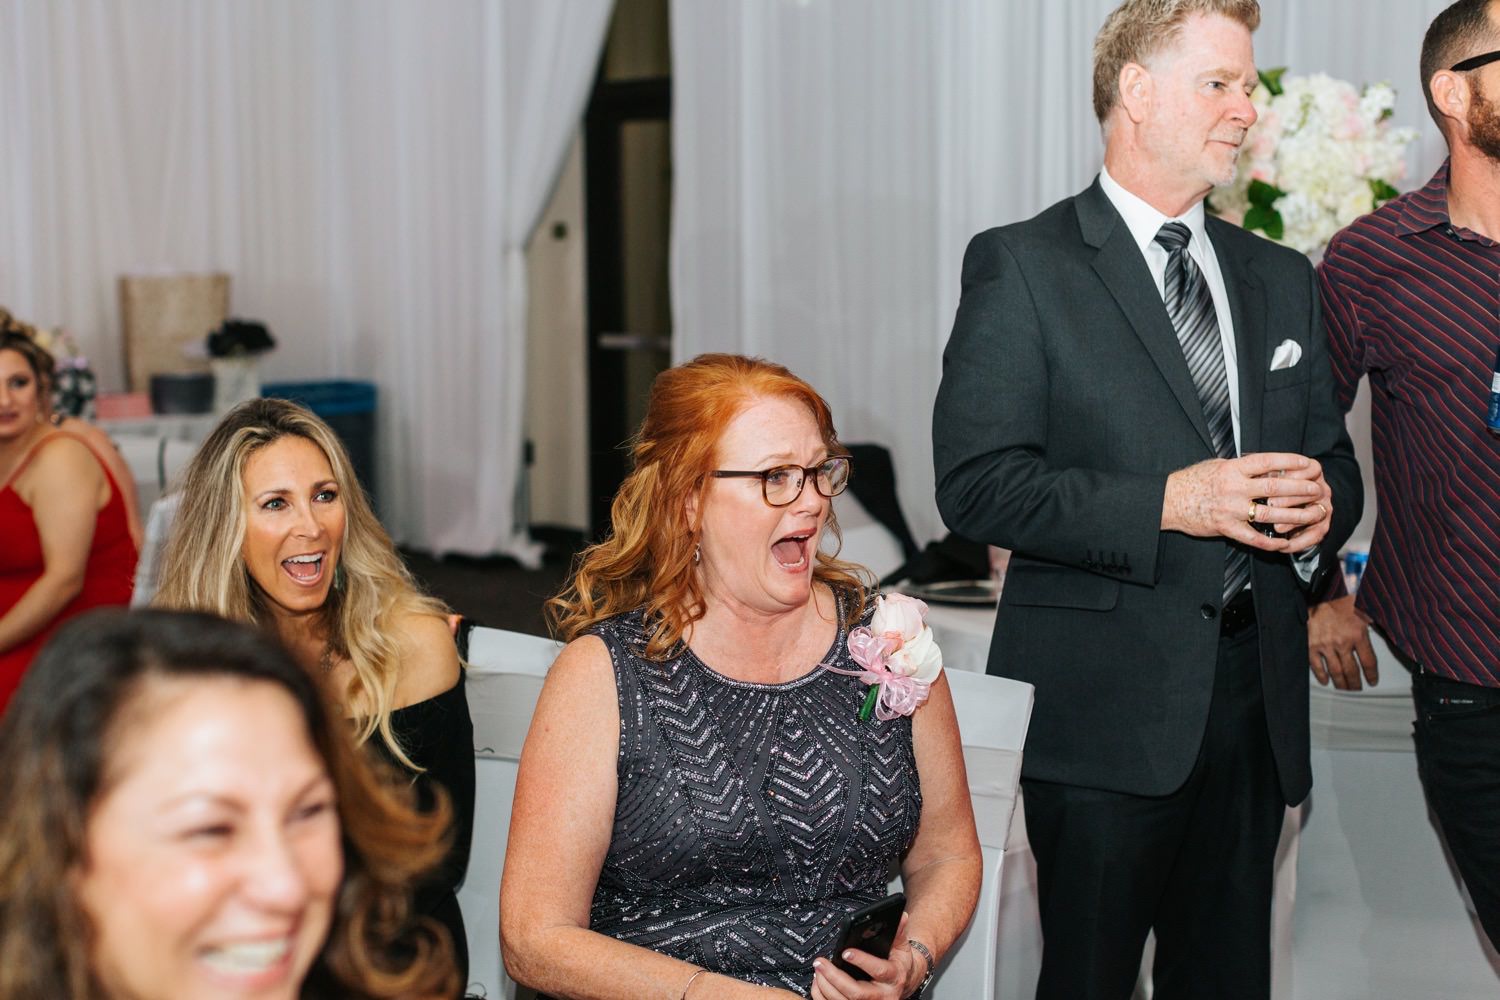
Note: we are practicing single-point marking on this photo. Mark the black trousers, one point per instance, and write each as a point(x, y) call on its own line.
point(1196, 866)
point(1458, 755)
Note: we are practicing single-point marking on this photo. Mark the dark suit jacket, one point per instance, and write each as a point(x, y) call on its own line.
point(1065, 402)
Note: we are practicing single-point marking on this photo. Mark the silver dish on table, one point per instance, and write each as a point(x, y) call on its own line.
point(969, 592)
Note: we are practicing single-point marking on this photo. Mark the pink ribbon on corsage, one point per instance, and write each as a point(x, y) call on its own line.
point(892, 694)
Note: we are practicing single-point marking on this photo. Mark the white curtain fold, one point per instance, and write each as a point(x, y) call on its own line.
point(366, 170)
point(833, 158)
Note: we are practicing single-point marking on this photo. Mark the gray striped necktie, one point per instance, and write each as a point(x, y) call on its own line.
point(1191, 307)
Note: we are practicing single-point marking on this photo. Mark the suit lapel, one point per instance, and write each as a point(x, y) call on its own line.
point(1247, 307)
point(1123, 270)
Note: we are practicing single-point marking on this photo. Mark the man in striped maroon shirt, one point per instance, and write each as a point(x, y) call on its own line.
point(1411, 297)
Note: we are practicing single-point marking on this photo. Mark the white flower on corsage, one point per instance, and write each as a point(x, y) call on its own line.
point(898, 656)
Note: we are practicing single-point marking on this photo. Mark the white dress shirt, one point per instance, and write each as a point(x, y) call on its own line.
point(1144, 222)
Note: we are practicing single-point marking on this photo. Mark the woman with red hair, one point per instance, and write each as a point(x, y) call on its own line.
point(700, 803)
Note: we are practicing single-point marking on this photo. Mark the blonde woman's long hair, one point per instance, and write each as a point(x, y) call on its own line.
point(203, 569)
point(647, 560)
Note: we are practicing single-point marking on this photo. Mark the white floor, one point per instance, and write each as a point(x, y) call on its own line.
point(1379, 914)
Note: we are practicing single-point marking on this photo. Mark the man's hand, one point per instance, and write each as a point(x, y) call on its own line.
point(1222, 497)
point(1337, 634)
point(1305, 537)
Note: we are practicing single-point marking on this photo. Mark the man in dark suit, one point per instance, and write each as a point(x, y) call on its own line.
point(1134, 398)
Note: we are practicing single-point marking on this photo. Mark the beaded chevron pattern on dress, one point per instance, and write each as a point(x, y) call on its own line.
point(750, 818)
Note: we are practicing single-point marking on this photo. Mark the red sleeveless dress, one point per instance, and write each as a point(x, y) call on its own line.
point(107, 579)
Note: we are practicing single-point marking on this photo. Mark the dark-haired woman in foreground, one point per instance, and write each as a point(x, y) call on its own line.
point(180, 818)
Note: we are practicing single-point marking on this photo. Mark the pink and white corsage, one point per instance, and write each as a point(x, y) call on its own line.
point(898, 657)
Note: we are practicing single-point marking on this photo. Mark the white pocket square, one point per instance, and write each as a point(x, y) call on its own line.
point(1288, 353)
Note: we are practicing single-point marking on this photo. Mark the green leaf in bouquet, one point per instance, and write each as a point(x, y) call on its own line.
point(1383, 192)
point(1266, 219)
point(1271, 80)
point(1263, 195)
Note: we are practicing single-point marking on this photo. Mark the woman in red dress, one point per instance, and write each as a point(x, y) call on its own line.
point(66, 535)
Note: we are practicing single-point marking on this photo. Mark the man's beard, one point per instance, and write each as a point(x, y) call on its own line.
point(1484, 126)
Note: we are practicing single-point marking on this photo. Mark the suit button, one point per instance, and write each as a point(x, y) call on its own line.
point(1208, 611)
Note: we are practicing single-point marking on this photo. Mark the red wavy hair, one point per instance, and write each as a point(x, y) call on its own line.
point(647, 559)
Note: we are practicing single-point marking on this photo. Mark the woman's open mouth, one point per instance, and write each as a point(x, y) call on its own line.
point(306, 570)
point(791, 552)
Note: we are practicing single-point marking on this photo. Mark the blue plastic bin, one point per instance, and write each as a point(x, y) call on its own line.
point(346, 406)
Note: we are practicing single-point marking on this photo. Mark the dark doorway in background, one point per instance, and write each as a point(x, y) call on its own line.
point(628, 198)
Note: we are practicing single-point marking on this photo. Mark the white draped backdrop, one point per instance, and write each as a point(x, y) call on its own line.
point(368, 171)
point(833, 157)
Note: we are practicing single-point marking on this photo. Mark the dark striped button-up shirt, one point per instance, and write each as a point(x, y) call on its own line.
point(1414, 302)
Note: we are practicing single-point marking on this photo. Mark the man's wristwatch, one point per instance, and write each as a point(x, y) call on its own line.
point(926, 953)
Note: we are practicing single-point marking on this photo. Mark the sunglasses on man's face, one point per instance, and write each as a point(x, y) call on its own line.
point(1474, 62)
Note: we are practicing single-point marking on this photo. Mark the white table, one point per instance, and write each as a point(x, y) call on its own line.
point(157, 447)
point(963, 633)
point(190, 427)
point(1377, 915)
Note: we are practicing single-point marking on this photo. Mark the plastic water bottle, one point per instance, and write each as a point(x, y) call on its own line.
point(1355, 561)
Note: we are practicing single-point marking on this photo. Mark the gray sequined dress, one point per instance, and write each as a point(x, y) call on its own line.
point(750, 818)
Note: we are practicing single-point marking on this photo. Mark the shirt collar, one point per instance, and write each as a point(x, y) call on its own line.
point(1426, 209)
point(1143, 221)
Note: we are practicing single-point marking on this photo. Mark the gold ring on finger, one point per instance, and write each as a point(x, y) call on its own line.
point(1322, 508)
point(1250, 517)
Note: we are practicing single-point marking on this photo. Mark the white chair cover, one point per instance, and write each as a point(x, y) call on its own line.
point(505, 676)
point(993, 714)
point(148, 567)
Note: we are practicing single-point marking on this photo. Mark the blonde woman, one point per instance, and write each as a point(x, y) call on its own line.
point(274, 529)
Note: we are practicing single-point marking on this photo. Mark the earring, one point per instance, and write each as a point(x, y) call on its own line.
point(697, 554)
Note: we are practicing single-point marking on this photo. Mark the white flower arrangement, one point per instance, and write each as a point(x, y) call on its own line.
point(1321, 155)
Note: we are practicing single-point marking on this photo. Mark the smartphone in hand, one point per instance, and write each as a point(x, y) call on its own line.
point(871, 929)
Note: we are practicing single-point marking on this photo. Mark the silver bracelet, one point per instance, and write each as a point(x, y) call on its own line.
point(691, 979)
point(926, 953)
